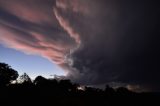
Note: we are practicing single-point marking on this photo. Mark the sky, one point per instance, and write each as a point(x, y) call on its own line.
point(92, 42)
point(33, 65)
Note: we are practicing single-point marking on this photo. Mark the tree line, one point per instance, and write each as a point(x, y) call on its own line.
point(62, 92)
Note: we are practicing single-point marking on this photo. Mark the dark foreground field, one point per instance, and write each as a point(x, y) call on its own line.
point(62, 95)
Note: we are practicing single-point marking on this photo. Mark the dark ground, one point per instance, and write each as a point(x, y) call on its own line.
point(27, 95)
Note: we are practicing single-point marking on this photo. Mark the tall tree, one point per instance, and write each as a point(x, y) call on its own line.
point(24, 78)
point(7, 74)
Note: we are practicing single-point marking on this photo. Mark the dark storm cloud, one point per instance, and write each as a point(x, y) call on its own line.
point(119, 42)
point(97, 41)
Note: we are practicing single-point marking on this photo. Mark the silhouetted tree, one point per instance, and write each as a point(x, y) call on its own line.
point(123, 91)
point(40, 81)
point(65, 85)
point(53, 83)
point(90, 89)
point(75, 87)
point(7, 74)
point(25, 78)
point(109, 91)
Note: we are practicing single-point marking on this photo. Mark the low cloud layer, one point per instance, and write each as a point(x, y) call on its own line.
point(95, 41)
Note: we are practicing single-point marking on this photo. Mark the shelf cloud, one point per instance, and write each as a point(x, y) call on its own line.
point(94, 41)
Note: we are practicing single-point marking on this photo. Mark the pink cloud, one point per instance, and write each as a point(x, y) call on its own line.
point(73, 5)
point(67, 27)
point(51, 50)
point(30, 34)
point(36, 11)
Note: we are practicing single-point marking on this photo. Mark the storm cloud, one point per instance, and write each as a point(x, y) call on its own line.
point(95, 41)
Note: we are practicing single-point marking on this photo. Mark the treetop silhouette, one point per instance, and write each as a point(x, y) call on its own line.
point(7, 74)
